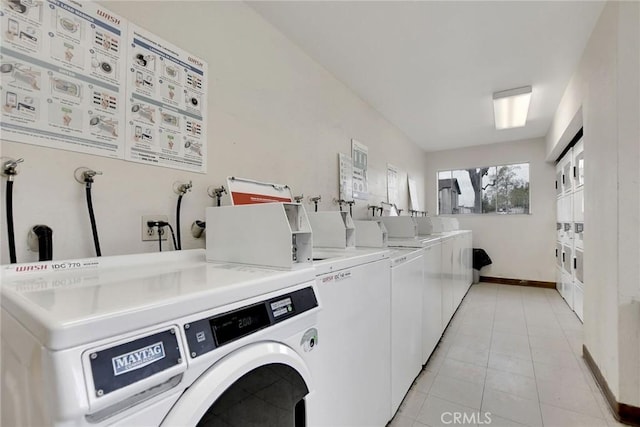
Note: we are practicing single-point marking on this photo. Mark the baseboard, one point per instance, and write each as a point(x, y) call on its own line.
point(518, 282)
point(624, 413)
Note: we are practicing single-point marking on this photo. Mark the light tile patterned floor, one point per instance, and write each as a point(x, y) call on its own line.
point(511, 351)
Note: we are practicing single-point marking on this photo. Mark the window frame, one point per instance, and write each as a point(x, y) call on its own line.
point(452, 169)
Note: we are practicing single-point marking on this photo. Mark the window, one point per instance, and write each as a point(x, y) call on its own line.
point(493, 189)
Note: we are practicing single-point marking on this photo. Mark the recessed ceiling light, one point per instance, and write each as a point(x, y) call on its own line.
point(510, 107)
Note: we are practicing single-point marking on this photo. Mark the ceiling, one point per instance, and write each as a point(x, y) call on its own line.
point(431, 67)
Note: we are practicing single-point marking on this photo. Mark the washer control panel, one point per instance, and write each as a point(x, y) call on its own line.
point(207, 334)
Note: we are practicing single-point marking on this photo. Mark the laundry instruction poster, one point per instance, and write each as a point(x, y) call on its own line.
point(61, 66)
point(345, 166)
point(413, 194)
point(359, 156)
point(392, 185)
point(167, 104)
point(75, 76)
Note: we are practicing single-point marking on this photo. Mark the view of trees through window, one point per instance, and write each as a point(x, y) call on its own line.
point(494, 189)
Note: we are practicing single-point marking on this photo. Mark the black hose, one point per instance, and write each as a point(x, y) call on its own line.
point(45, 242)
point(92, 218)
point(173, 236)
point(159, 238)
point(179, 247)
point(10, 231)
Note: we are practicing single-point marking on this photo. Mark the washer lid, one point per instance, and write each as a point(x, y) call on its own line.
point(245, 191)
point(68, 303)
point(417, 242)
point(401, 255)
point(327, 260)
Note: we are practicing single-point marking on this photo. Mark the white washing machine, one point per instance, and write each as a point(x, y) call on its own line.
point(352, 387)
point(432, 289)
point(156, 339)
point(457, 263)
point(406, 321)
point(448, 306)
point(462, 263)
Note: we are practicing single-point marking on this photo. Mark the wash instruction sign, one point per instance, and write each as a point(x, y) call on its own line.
point(75, 76)
point(166, 94)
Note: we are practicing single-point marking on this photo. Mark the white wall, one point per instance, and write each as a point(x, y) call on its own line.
point(520, 246)
point(274, 114)
point(604, 95)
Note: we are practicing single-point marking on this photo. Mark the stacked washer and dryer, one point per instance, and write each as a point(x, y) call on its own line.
point(570, 227)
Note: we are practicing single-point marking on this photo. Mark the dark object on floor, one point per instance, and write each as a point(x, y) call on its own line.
point(480, 258)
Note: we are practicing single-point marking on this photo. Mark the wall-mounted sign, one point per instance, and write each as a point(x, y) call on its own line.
point(392, 185)
point(78, 77)
point(359, 156)
point(413, 195)
point(166, 93)
point(345, 166)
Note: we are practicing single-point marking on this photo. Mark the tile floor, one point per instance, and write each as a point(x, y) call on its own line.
point(511, 351)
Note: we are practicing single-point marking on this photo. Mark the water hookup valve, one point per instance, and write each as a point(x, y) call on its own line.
point(315, 201)
point(10, 168)
point(216, 192)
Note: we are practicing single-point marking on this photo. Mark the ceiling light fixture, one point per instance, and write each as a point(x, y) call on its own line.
point(510, 107)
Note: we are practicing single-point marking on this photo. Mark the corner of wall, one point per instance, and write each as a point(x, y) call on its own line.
point(628, 127)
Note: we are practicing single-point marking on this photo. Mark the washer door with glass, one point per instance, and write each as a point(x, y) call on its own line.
point(259, 384)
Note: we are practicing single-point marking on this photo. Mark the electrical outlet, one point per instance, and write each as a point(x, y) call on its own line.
point(151, 233)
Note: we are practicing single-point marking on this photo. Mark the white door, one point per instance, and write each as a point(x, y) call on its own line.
point(578, 265)
point(559, 255)
point(558, 180)
point(261, 383)
point(567, 173)
point(559, 286)
point(567, 259)
point(578, 282)
point(578, 218)
point(578, 301)
point(567, 284)
point(578, 164)
point(565, 217)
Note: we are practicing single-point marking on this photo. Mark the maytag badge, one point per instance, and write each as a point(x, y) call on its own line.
point(137, 359)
